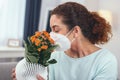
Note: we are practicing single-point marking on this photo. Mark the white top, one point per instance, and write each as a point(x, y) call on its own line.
point(100, 65)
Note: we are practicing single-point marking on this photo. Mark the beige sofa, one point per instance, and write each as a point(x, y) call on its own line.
point(6, 69)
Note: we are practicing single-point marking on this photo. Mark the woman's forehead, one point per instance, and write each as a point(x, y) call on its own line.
point(55, 18)
point(55, 21)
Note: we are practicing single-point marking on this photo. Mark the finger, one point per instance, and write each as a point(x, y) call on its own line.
point(39, 77)
point(14, 79)
point(13, 75)
point(13, 70)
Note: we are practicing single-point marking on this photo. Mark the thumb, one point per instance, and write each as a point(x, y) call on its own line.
point(39, 77)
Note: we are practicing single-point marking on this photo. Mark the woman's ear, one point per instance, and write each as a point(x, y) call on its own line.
point(77, 31)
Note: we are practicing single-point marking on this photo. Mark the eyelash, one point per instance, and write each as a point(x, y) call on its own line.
point(56, 31)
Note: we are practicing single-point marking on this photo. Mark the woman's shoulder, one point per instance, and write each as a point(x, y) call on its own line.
point(105, 63)
point(105, 53)
point(105, 56)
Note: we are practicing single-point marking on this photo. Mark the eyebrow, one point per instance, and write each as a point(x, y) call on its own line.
point(54, 26)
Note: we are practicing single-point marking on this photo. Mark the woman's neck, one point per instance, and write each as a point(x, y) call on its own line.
point(82, 50)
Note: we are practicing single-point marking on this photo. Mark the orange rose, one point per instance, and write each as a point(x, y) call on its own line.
point(51, 40)
point(44, 47)
point(37, 34)
point(32, 38)
point(37, 42)
point(46, 34)
point(39, 49)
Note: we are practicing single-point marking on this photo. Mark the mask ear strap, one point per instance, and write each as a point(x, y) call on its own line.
point(69, 32)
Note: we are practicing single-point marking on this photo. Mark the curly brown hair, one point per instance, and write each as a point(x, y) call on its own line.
point(95, 28)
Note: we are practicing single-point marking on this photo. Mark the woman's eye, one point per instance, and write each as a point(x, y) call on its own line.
point(56, 31)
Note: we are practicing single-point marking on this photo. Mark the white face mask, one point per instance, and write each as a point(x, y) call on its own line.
point(62, 40)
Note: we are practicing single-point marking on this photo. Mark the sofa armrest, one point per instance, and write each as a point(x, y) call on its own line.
point(6, 69)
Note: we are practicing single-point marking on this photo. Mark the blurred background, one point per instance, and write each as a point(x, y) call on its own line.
point(21, 18)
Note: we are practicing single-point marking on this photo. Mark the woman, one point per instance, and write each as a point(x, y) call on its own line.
point(83, 60)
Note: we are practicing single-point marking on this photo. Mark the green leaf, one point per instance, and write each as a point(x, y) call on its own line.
point(52, 61)
point(32, 59)
point(29, 41)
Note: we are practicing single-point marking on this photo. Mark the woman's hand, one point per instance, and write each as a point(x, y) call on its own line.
point(39, 77)
point(13, 75)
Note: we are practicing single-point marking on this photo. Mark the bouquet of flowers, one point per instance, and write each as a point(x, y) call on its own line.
point(38, 50)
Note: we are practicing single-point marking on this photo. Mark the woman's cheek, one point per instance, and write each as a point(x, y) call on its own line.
point(74, 46)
